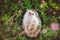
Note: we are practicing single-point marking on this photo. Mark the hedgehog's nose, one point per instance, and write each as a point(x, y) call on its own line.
point(30, 13)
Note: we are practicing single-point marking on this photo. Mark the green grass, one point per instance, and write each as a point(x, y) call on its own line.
point(11, 16)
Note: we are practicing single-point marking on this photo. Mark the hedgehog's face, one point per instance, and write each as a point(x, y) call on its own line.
point(32, 13)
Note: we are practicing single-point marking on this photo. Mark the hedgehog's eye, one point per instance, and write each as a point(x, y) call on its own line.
point(32, 13)
point(36, 14)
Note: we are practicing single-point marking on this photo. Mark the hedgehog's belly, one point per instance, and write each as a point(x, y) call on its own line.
point(31, 31)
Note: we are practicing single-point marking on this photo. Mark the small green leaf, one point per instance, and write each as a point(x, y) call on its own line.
point(13, 7)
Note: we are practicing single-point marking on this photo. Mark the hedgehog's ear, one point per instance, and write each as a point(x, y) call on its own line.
point(34, 10)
